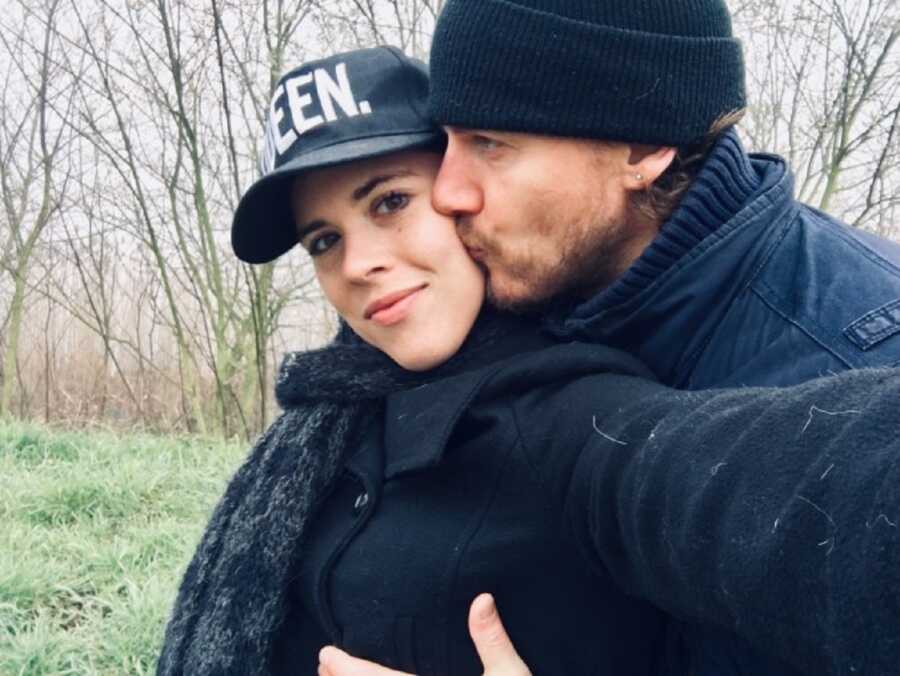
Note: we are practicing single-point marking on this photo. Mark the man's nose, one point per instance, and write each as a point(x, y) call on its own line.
point(456, 191)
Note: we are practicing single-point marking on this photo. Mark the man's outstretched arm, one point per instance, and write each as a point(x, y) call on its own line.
point(771, 513)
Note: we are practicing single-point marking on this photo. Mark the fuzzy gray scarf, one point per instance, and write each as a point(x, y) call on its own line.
point(233, 597)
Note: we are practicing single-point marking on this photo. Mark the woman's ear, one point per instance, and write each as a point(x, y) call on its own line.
point(646, 164)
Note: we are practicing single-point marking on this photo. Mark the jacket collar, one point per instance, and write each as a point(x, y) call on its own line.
point(727, 181)
point(367, 460)
point(664, 308)
point(419, 421)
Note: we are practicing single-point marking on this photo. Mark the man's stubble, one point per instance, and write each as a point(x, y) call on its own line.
point(578, 259)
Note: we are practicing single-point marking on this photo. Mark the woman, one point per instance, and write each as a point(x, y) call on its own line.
point(450, 451)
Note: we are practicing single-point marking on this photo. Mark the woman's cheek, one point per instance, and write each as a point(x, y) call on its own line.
point(441, 241)
point(332, 288)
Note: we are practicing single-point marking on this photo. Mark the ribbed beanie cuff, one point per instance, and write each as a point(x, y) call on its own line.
point(647, 72)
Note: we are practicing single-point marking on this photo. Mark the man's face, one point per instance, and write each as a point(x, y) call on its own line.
point(543, 215)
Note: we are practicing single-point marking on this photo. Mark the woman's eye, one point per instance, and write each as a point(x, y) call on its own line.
point(390, 203)
point(319, 245)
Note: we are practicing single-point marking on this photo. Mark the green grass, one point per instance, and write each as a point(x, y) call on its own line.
point(96, 531)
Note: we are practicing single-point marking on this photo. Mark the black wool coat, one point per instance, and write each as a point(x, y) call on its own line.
point(569, 489)
point(443, 502)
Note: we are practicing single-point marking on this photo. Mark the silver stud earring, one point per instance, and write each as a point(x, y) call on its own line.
point(638, 177)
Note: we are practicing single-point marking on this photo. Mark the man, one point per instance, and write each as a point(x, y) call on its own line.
point(593, 172)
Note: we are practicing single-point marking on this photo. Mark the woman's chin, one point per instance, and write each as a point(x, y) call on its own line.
point(427, 349)
point(421, 360)
point(427, 337)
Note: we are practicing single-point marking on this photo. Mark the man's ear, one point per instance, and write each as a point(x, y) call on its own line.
point(646, 164)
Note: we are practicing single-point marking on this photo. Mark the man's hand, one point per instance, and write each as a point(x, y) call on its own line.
point(498, 656)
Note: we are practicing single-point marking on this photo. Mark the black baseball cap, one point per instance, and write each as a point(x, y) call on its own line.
point(348, 107)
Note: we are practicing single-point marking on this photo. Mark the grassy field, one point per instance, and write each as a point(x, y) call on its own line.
point(96, 531)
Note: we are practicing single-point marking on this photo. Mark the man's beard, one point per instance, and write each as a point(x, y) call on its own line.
point(591, 261)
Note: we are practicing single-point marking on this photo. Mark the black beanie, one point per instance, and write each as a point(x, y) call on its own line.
point(646, 71)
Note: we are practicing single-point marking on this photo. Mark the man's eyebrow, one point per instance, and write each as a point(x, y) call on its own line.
point(375, 181)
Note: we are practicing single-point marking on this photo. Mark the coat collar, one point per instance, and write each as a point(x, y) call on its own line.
point(420, 421)
point(367, 461)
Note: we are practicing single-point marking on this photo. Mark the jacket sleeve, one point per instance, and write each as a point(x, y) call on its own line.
point(774, 513)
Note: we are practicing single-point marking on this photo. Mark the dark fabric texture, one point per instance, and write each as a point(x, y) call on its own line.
point(768, 510)
point(446, 504)
point(744, 286)
point(232, 598)
point(772, 513)
point(651, 72)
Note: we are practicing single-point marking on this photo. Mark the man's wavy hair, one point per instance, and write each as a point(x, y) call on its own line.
point(660, 199)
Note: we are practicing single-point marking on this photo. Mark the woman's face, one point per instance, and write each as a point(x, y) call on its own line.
point(392, 266)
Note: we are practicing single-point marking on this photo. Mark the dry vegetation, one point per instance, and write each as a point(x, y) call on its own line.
point(130, 129)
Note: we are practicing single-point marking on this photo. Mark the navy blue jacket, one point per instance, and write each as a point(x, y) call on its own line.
point(746, 286)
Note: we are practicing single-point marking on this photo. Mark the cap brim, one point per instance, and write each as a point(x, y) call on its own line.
point(263, 225)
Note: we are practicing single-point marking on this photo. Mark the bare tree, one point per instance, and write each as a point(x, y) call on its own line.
point(825, 92)
point(33, 143)
point(130, 128)
point(407, 24)
point(177, 117)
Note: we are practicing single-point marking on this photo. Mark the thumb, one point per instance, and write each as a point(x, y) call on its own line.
point(335, 662)
point(498, 656)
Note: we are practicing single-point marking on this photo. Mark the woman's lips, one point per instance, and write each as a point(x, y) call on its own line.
point(393, 308)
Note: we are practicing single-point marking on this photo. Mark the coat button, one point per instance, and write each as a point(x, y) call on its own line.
point(361, 501)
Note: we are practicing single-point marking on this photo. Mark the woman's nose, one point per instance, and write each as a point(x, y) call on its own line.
point(367, 252)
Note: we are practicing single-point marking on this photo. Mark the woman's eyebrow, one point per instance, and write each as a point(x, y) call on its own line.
point(309, 227)
point(375, 181)
point(357, 195)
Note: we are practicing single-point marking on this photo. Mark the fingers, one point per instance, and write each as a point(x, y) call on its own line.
point(498, 656)
point(335, 662)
